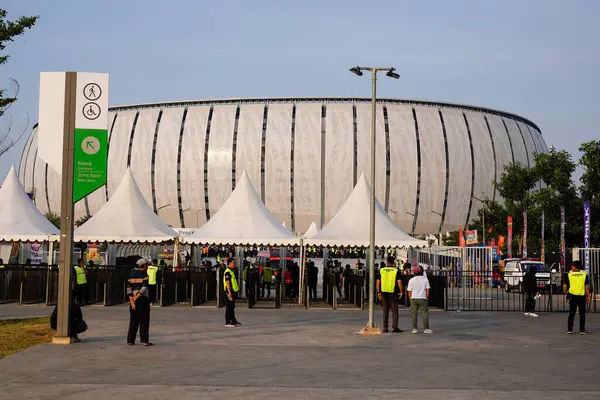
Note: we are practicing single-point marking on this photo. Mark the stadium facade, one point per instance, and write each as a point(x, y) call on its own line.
point(304, 156)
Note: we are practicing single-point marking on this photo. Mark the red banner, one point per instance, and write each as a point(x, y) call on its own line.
point(461, 238)
point(509, 241)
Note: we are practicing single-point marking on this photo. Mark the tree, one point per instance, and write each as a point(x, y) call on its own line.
point(82, 220)
point(590, 183)
point(9, 30)
point(54, 218)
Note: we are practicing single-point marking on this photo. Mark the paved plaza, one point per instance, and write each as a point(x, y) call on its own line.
point(294, 353)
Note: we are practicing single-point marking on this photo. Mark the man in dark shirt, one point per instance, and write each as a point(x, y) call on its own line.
point(531, 288)
point(139, 304)
point(77, 325)
point(313, 279)
point(389, 290)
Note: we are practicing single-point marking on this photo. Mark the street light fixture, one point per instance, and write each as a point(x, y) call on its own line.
point(482, 214)
point(441, 216)
point(370, 328)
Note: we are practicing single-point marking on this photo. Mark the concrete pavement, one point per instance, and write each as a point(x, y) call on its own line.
point(298, 354)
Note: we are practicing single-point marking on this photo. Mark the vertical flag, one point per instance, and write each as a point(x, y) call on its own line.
point(461, 238)
point(586, 234)
point(509, 240)
point(563, 247)
point(543, 250)
point(524, 234)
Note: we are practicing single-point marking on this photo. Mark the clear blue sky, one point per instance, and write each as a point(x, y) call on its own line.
point(536, 58)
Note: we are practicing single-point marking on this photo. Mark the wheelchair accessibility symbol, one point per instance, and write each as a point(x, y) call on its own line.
point(91, 111)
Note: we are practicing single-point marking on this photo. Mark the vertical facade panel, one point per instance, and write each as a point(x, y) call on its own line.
point(219, 156)
point(54, 194)
point(249, 139)
point(459, 168)
point(30, 158)
point(403, 165)
point(484, 160)
point(433, 169)
point(540, 138)
point(119, 145)
point(23, 161)
point(165, 166)
point(531, 146)
point(307, 165)
point(502, 144)
point(96, 200)
point(277, 161)
point(192, 166)
point(141, 152)
point(519, 148)
point(363, 122)
point(40, 185)
point(339, 160)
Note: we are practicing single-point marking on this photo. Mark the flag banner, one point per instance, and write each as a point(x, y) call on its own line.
point(586, 234)
point(563, 247)
point(461, 238)
point(472, 237)
point(543, 249)
point(524, 234)
point(509, 240)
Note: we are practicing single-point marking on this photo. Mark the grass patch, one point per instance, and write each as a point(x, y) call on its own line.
point(20, 334)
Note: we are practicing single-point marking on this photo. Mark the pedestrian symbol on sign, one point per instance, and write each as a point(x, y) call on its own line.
point(92, 91)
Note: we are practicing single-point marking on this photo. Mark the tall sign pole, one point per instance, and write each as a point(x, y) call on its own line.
point(73, 141)
point(563, 247)
point(586, 234)
point(524, 234)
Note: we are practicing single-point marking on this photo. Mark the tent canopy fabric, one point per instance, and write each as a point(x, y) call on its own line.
point(350, 226)
point(20, 220)
point(125, 218)
point(312, 231)
point(243, 220)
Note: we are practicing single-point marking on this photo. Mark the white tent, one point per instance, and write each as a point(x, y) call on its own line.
point(125, 218)
point(350, 226)
point(243, 220)
point(20, 220)
point(312, 231)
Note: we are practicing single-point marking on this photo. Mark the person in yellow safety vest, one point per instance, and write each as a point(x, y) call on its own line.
point(1, 263)
point(267, 279)
point(245, 277)
point(389, 290)
point(152, 271)
point(81, 286)
point(577, 289)
point(230, 285)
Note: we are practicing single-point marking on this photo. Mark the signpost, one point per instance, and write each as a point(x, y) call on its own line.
point(73, 122)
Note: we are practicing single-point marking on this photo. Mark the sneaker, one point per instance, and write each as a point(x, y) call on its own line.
point(237, 323)
point(396, 330)
point(528, 314)
point(533, 315)
point(569, 332)
point(583, 332)
point(415, 331)
point(229, 326)
point(428, 331)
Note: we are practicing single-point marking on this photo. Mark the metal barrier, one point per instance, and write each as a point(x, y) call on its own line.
point(115, 287)
point(52, 285)
point(203, 286)
point(33, 285)
point(168, 287)
point(10, 284)
point(590, 257)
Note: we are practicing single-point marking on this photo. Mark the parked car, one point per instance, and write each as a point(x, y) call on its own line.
point(515, 269)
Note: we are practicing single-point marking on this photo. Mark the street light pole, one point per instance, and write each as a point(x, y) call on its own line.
point(370, 328)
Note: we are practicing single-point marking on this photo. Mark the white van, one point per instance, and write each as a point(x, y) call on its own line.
point(515, 269)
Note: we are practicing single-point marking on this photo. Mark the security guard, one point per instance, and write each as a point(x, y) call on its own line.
point(389, 290)
point(231, 287)
point(152, 272)
point(577, 289)
point(267, 279)
point(1, 263)
point(81, 287)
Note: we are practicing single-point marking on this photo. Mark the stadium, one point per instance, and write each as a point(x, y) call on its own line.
point(303, 156)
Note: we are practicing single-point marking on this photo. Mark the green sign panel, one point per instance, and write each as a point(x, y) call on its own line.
point(90, 161)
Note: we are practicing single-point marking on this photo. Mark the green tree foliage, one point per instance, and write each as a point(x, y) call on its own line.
point(54, 218)
point(82, 220)
point(8, 31)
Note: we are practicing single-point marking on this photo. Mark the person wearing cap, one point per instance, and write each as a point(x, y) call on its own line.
point(231, 287)
point(389, 290)
point(577, 289)
point(139, 304)
point(418, 290)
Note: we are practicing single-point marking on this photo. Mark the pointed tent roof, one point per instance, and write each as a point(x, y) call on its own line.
point(350, 226)
point(125, 218)
point(20, 220)
point(243, 220)
point(312, 231)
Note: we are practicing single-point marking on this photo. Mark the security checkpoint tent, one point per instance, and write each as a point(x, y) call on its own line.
point(125, 218)
point(350, 226)
point(243, 220)
point(312, 231)
point(20, 220)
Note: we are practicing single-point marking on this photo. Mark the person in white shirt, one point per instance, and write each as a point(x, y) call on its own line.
point(418, 292)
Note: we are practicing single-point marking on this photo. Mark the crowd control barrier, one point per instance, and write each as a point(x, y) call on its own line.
point(203, 286)
point(10, 284)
